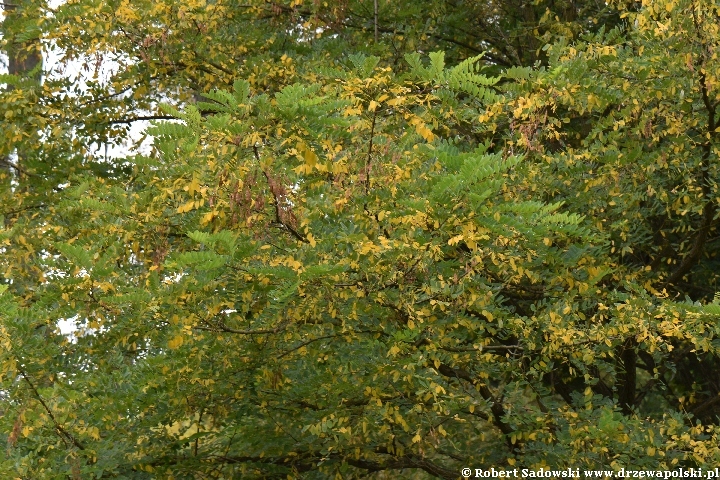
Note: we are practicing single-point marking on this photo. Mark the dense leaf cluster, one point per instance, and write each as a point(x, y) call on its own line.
point(345, 256)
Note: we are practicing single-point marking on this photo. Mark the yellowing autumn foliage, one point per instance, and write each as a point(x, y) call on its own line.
point(344, 257)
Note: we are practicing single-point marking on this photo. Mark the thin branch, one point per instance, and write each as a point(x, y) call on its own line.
point(325, 337)
point(303, 344)
point(496, 407)
point(23, 209)
point(483, 348)
point(221, 327)
point(459, 43)
point(376, 21)
point(22, 171)
point(64, 434)
point(140, 118)
point(99, 99)
point(368, 163)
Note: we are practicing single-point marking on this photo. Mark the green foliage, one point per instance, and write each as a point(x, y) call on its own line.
point(336, 263)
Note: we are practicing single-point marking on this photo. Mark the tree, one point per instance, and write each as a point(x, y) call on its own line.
point(24, 59)
point(339, 264)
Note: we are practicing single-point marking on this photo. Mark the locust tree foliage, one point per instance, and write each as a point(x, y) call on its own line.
point(346, 257)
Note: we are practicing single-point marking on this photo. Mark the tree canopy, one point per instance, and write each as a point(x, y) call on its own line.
point(371, 239)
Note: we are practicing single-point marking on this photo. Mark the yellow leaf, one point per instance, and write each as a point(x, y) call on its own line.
point(424, 132)
point(310, 157)
point(94, 433)
point(126, 13)
point(207, 218)
point(174, 428)
point(176, 342)
point(192, 187)
point(373, 105)
point(416, 438)
point(455, 240)
point(186, 207)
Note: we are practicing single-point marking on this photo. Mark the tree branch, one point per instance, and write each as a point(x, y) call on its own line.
point(496, 407)
point(710, 208)
point(140, 118)
point(64, 434)
point(307, 342)
point(221, 327)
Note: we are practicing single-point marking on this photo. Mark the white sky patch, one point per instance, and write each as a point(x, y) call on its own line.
point(85, 69)
point(67, 326)
point(80, 71)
